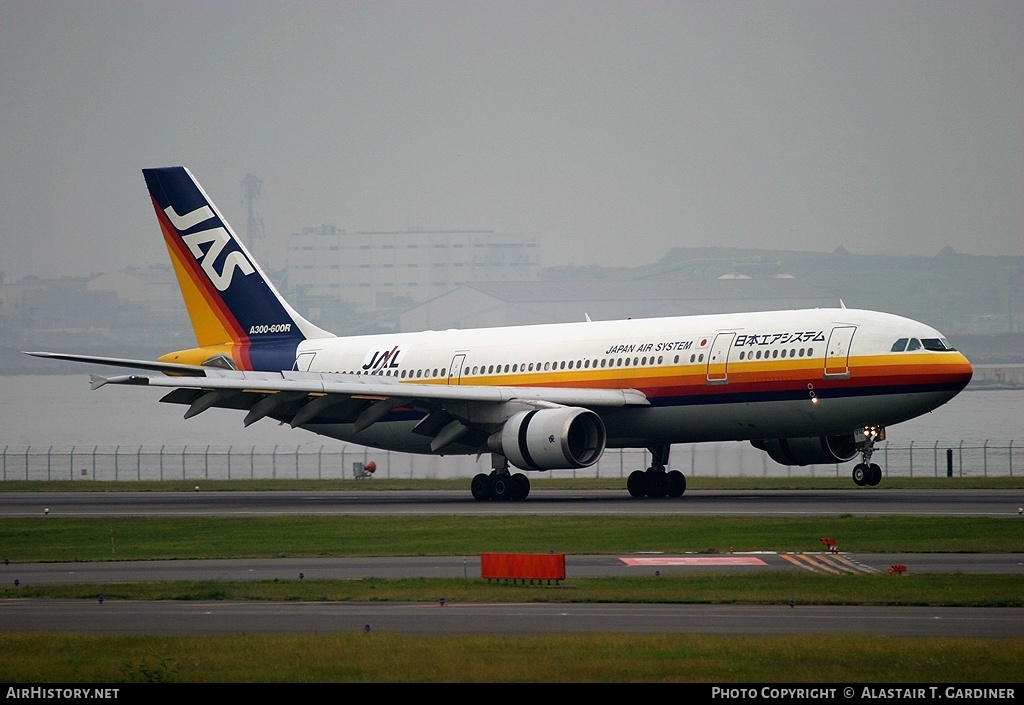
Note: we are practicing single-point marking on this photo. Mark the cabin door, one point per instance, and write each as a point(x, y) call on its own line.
point(718, 358)
point(837, 353)
point(455, 369)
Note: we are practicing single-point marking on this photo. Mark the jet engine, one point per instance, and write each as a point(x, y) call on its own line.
point(551, 439)
point(809, 451)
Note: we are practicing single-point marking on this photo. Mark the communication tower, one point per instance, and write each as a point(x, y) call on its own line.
point(251, 186)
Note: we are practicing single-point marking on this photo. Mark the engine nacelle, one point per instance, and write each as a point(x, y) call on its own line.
point(551, 439)
point(809, 451)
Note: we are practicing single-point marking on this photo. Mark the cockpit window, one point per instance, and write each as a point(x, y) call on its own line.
point(934, 344)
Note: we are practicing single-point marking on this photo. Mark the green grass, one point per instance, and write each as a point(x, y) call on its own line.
point(384, 657)
point(143, 538)
point(389, 657)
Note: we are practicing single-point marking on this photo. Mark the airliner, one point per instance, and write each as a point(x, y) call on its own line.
point(805, 386)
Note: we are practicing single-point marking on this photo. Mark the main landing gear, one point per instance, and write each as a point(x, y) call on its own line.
point(866, 473)
point(655, 482)
point(501, 485)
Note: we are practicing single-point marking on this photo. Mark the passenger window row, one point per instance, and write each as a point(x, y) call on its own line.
point(532, 367)
point(793, 352)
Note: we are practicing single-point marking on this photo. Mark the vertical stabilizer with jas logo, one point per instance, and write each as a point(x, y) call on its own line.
point(239, 318)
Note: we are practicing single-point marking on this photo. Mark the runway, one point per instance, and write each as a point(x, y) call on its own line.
point(301, 617)
point(226, 617)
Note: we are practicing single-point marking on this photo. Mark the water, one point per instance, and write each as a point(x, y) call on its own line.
point(972, 416)
point(63, 410)
point(39, 413)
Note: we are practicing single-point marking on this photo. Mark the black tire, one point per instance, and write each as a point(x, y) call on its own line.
point(501, 487)
point(676, 483)
point(520, 486)
point(876, 475)
point(481, 487)
point(861, 474)
point(657, 483)
point(636, 483)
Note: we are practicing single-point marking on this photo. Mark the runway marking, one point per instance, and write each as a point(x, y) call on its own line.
point(801, 561)
point(848, 564)
point(831, 563)
point(693, 560)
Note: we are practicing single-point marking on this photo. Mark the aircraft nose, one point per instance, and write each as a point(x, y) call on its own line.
point(962, 372)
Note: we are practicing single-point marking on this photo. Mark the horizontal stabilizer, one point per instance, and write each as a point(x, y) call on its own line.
point(174, 368)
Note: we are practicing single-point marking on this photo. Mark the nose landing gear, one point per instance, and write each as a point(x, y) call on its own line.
point(866, 475)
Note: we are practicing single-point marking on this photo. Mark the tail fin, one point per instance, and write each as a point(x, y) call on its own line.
point(239, 318)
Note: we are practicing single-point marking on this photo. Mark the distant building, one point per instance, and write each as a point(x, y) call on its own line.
point(509, 304)
point(155, 287)
point(381, 270)
point(38, 311)
point(149, 303)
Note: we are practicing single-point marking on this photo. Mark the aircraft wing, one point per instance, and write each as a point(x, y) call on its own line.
point(300, 397)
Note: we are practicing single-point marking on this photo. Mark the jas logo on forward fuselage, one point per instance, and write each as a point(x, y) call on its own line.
point(217, 238)
point(378, 360)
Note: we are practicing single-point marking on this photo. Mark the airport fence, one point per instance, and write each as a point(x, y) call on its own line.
point(135, 463)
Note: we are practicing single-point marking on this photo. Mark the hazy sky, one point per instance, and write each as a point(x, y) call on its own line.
point(612, 130)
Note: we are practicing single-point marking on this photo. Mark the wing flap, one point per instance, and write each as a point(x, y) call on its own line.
point(208, 400)
point(271, 403)
point(345, 406)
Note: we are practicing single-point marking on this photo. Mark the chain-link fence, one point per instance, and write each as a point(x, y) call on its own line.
point(125, 463)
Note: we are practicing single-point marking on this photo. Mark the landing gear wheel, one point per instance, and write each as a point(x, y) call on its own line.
point(636, 483)
point(520, 486)
point(866, 473)
point(481, 487)
point(501, 487)
point(676, 483)
point(657, 483)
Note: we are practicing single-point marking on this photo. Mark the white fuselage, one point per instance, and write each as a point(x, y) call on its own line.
point(816, 372)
